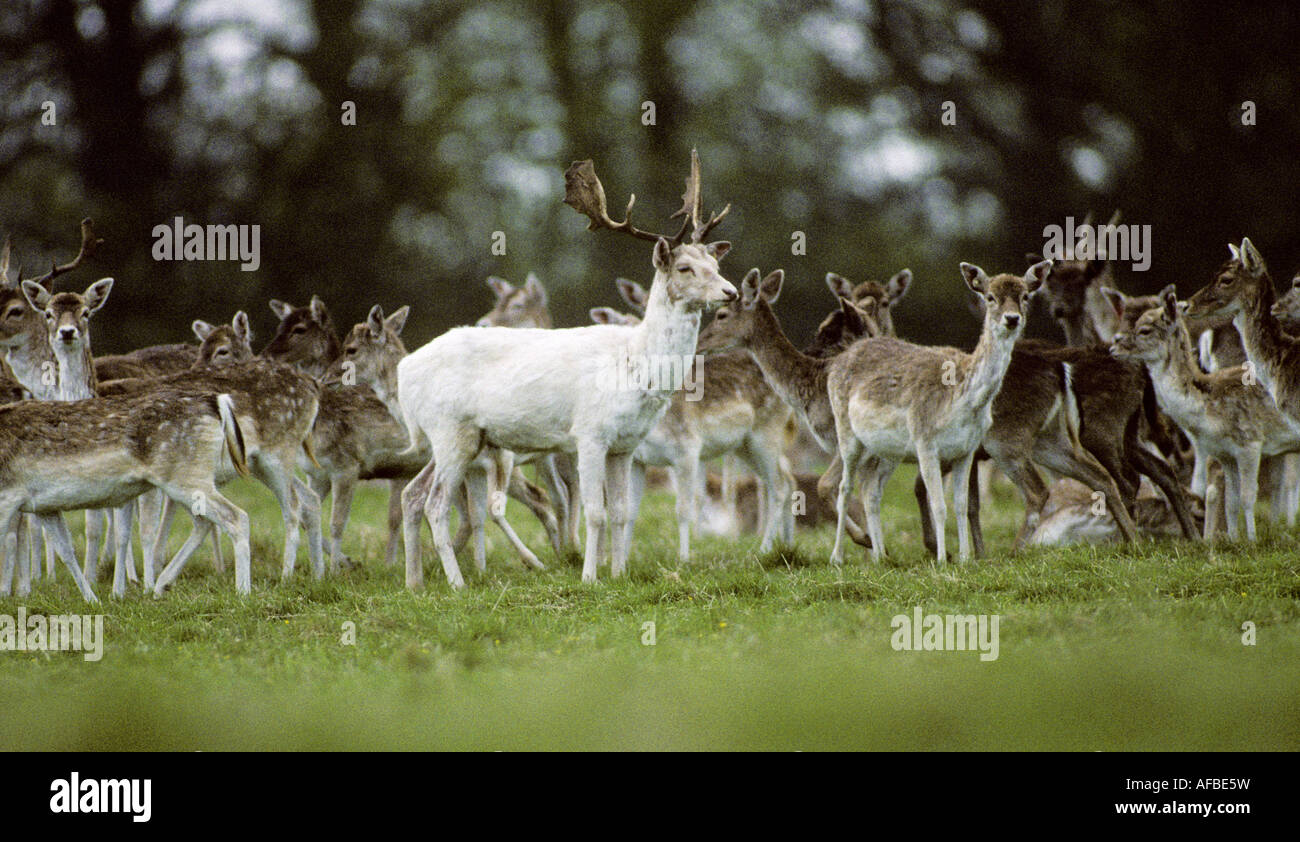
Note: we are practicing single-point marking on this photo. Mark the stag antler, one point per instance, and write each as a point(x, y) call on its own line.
point(89, 247)
point(4, 262)
point(584, 193)
point(692, 205)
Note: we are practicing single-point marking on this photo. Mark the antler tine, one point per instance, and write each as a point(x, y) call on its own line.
point(703, 232)
point(690, 209)
point(4, 261)
point(89, 246)
point(584, 193)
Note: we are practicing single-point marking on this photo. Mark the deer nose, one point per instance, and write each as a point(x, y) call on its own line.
point(729, 291)
point(68, 334)
point(1011, 319)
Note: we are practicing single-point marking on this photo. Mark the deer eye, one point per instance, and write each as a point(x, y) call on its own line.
point(14, 312)
point(688, 270)
point(351, 352)
point(722, 314)
point(221, 351)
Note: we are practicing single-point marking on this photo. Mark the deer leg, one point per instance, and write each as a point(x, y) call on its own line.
point(766, 465)
point(928, 462)
point(216, 511)
point(476, 492)
point(1159, 472)
point(849, 455)
point(414, 498)
point(503, 475)
point(787, 508)
point(309, 503)
point(12, 545)
point(961, 501)
point(453, 458)
point(94, 535)
point(342, 487)
point(123, 555)
point(1248, 464)
point(538, 502)
point(61, 540)
point(1081, 466)
point(1232, 498)
point(636, 490)
point(827, 489)
point(177, 563)
point(549, 474)
point(50, 561)
point(395, 489)
point(28, 564)
point(684, 478)
point(1291, 474)
point(618, 479)
point(591, 473)
point(158, 548)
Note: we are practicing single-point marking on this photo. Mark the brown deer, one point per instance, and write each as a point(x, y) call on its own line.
point(104, 452)
point(1243, 290)
point(523, 306)
point(872, 296)
point(1228, 415)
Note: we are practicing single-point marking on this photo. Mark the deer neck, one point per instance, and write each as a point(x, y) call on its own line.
point(1101, 321)
point(793, 375)
point(1175, 379)
point(76, 373)
point(1262, 335)
point(34, 365)
point(985, 368)
point(669, 329)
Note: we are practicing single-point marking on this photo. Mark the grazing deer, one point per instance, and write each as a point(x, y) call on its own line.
point(563, 390)
point(102, 453)
point(736, 413)
point(894, 401)
point(1228, 416)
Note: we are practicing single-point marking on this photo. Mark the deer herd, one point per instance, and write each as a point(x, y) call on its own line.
point(1158, 416)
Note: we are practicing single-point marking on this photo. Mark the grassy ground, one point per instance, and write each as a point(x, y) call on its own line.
point(1100, 649)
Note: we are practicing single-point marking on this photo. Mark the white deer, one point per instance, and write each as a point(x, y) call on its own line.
point(536, 390)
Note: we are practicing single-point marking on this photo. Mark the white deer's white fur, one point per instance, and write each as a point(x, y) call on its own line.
point(536, 390)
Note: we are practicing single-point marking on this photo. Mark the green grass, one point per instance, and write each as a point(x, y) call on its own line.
point(1100, 649)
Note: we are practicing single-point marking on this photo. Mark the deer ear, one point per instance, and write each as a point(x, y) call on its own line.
point(397, 320)
point(280, 309)
point(318, 311)
point(839, 286)
point(201, 329)
point(243, 331)
point(853, 321)
point(770, 289)
point(1037, 274)
point(719, 249)
point(96, 295)
point(500, 286)
point(1115, 298)
point(975, 277)
point(663, 256)
point(749, 288)
point(36, 295)
point(898, 285)
point(535, 289)
point(605, 316)
point(1250, 259)
point(632, 292)
point(1236, 253)
point(375, 322)
point(1170, 300)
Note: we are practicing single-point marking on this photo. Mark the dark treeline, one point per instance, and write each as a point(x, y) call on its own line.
point(822, 118)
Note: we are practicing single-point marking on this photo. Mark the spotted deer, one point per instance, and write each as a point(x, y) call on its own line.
point(104, 452)
point(1227, 414)
point(565, 390)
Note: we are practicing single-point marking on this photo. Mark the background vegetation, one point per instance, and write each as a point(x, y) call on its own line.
point(820, 117)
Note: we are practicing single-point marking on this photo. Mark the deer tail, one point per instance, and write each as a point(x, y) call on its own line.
point(233, 435)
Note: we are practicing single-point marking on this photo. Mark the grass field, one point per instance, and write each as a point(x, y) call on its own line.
point(1100, 649)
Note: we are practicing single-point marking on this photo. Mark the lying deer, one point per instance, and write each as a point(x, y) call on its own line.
point(529, 390)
